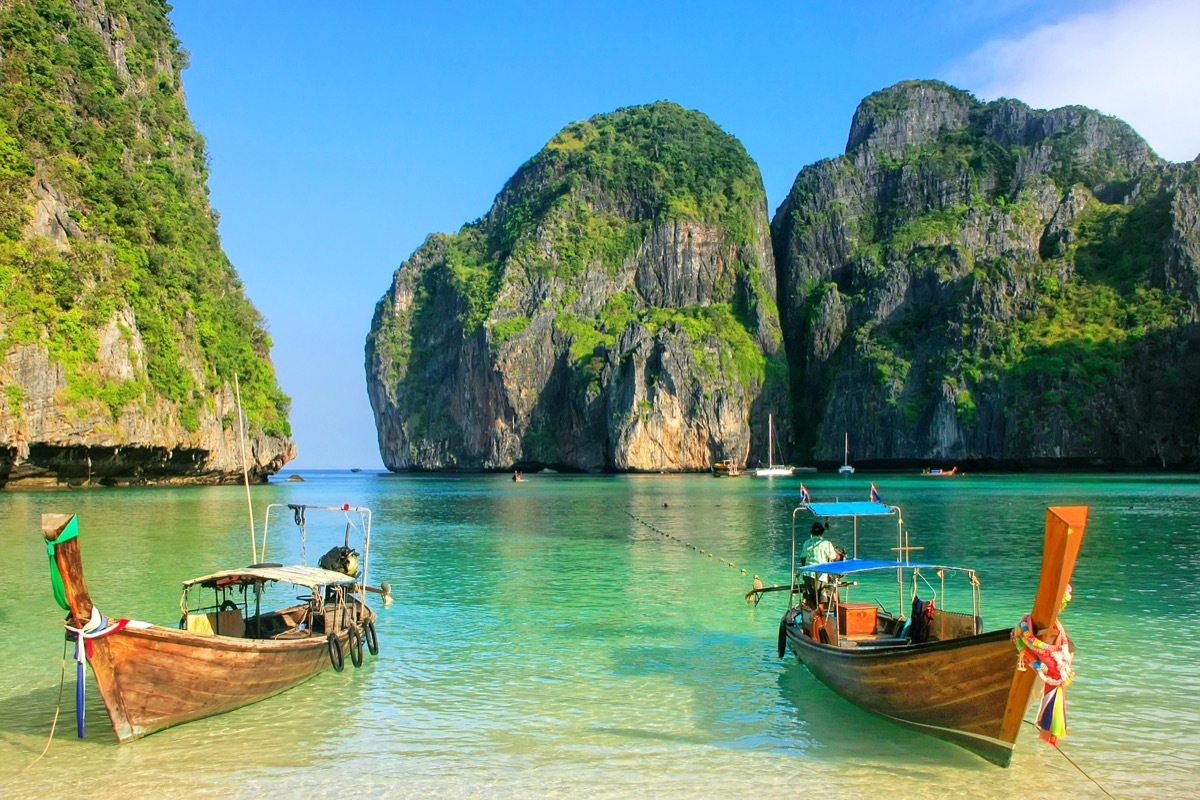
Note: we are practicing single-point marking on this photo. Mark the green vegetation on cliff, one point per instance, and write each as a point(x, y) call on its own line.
point(590, 196)
point(587, 201)
point(96, 119)
point(623, 269)
point(990, 256)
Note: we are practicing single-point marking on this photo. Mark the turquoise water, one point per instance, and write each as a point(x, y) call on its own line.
point(556, 638)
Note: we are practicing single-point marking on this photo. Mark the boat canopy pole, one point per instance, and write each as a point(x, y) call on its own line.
point(299, 510)
point(854, 510)
point(792, 596)
point(245, 473)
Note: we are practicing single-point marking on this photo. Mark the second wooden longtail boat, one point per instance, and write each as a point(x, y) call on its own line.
point(224, 654)
point(936, 671)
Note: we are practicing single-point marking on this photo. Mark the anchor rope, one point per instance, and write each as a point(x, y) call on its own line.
point(677, 540)
point(1070, 761)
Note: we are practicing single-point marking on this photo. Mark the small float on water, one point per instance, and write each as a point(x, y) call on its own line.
point(936, 671)
point(229, 649)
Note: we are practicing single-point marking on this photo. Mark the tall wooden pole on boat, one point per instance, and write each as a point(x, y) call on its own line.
point(245, 473)
point(1064, 533)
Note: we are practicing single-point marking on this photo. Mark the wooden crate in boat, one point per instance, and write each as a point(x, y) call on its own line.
point(855, 619)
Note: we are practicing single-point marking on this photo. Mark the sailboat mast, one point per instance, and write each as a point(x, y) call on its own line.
point(770, 440)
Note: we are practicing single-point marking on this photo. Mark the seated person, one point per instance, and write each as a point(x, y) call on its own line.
point(818, 550)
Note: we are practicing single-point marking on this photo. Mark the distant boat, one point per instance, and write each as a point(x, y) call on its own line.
point(772, 470)
point(726, 469)
point(355, 469)
point(845, 468)
point(940, 473)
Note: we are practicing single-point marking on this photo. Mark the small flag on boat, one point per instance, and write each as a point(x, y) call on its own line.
point(804, 496)
point(875, 495)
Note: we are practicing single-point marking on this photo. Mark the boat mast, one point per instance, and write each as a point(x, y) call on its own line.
point(770, 440)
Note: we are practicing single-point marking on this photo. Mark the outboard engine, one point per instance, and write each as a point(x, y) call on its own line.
point(340, 559)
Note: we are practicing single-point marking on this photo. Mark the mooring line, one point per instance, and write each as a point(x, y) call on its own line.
point(1082, 771)
point(62, 679)
point(676, 539)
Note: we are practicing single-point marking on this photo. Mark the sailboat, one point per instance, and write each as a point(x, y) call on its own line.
point(772, 470)
point(845, 468)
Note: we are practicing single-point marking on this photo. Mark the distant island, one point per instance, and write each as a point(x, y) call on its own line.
point(986, 283)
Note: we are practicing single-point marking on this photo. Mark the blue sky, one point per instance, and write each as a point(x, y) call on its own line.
point(341, 135)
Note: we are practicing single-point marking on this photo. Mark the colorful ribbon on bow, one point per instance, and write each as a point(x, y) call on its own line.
point(56, 581)
point(1052, 662)
point(97, 626)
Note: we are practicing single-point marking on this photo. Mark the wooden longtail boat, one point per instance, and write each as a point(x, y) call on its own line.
point(937, 672)
point(221, 656)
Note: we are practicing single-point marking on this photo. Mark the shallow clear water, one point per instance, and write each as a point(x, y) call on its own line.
point(558, 638)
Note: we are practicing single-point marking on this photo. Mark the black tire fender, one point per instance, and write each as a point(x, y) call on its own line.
point(336, 658)
point(371, 637)
point(782, 637)
point(356, 647)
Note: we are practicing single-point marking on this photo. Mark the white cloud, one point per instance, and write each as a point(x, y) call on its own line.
point(1139, 61)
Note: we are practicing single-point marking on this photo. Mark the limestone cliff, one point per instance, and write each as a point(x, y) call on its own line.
point(122, 323)
point(614, 310)
point(993, 283)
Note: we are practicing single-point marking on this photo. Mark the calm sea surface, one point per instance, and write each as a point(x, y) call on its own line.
point(555, 638)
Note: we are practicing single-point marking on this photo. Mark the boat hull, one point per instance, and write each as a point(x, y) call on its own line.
point(956, 690)
point(154, 678)
point(773, 472)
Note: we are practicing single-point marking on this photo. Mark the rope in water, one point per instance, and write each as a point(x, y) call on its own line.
point(1080, 769)
point(676, 539)
point(62, 681)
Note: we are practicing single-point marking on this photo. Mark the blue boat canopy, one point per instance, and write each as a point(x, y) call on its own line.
point(853, 565)
point(851, 509)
